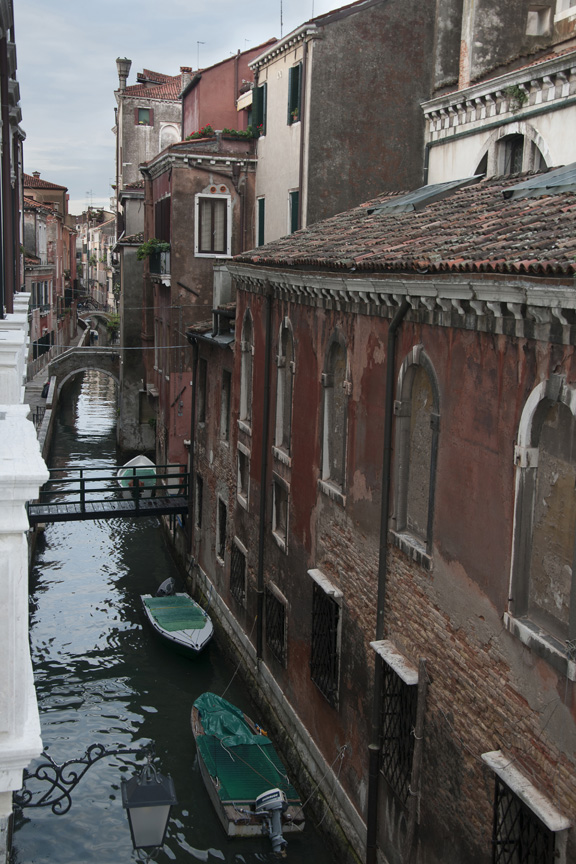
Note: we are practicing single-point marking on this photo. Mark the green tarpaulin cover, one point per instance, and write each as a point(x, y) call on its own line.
point(245, 764)
point(175, 613)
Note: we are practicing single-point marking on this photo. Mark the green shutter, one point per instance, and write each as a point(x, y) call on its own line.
point(259, 108)
point(294, 93)
point(294, 211)
point(261, 211)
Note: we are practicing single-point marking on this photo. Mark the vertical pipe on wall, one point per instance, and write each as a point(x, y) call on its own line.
point(374, 747)
point(263, 474)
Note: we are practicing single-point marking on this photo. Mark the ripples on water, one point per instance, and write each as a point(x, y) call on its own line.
point(101, 678)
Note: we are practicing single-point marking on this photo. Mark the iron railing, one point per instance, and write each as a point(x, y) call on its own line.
point(81, 486)
point(238, 574)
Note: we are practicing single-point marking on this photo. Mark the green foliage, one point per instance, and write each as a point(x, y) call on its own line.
point(151, 247)
point(517, 95)
point(113, 326)
point(206, 132)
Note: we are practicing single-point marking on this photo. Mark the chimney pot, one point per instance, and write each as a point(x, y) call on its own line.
point(123, 66)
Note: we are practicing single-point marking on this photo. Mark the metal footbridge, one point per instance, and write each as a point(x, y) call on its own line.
point(78, 494)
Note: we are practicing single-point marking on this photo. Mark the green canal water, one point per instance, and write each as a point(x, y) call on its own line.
point(101, 677)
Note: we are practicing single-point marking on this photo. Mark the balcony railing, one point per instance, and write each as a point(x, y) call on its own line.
point(160, 263)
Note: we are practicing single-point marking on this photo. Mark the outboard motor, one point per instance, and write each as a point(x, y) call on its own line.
point(167, 588)
point(271, 805)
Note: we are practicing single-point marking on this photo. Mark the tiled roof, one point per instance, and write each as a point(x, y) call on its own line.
point(170, 88)
point(32, 182)
point(473, 230)
point(31, 204)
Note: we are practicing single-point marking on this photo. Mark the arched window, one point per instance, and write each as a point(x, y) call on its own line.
point(247, 350)
point(417, 427)
point(284, 389)
point(336, 390)
point(543, 594)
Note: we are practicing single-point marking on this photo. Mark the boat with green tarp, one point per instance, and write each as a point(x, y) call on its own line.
point(178, 620)
point(245, 778)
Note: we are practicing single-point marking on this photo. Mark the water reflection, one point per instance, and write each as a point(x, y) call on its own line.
point(101, 677)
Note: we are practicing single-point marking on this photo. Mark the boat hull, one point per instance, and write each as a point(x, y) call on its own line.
point(137, 477)
point(238, 817)
point(189, 641)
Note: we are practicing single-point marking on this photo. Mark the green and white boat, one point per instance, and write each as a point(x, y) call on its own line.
point(180, 621)
point(245, 778)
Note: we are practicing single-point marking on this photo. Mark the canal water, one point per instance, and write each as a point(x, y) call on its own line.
point(101, 677)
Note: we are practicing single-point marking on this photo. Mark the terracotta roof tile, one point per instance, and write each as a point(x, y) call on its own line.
point(32, 182)
point(169, 88)
point(472, 230)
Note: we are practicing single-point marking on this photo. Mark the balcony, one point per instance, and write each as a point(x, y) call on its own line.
point(159, 263)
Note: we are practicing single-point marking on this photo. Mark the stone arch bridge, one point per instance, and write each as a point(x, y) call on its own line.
point(81, 359)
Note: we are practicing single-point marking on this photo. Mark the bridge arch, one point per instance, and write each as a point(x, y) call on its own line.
point(78, 360)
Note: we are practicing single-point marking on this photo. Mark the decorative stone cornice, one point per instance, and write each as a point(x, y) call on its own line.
point(509, 97)
point(517, 306)
point(288, 43)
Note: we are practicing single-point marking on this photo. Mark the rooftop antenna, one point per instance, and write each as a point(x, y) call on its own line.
point(89, 195)
point(280, 18)
point(198, 54)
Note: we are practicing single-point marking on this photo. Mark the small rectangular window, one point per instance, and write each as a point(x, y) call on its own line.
point(325, 645)
point(243, 476)
point(225, 405)
point(261, 216)
point(221, 529)
point(280, 512)
point(238, 573)
point(294, 201)
point(199, 500)
point(294, 94)
point(399, 720)
point(260, 108)
point(144, 116)
point(275, 609)
point(212, 228)
point(202, 387)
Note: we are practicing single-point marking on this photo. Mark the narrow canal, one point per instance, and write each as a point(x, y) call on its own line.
point(101, 677)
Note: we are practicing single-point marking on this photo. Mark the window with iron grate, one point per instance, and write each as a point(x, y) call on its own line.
point(275, 625)
point(398, 722)
point(238, 573)
point(324, 654)
point(519, 836)
point(221, 530)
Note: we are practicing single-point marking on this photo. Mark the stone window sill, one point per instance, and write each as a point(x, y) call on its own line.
point(543, 644)
point(412, 547)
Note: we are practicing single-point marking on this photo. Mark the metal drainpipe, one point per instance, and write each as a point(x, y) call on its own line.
point(375, 745)
point(263, 475)
point(194, 342)
point(302, 135)
point(426, 164)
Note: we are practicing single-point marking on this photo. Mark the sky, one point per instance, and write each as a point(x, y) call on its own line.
point(66, 56)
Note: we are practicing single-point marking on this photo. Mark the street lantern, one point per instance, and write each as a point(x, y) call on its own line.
point(148, 798)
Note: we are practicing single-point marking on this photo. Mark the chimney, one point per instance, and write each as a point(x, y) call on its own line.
point(36, 174)
point(186, 73)
point(123, 67)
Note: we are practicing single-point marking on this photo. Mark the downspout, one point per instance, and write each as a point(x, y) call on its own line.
point(426, 163)
point(302, 131)
point(375, 746)
point(191, 514)
point(263, 476)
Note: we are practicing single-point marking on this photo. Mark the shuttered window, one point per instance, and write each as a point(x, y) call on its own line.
point(212, 225)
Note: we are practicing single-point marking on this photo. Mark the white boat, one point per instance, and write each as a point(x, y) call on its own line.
point(245, 778)
point(137, 478)
point(178, 620)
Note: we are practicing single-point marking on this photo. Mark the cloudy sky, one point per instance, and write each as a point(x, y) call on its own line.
point(67, 52)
